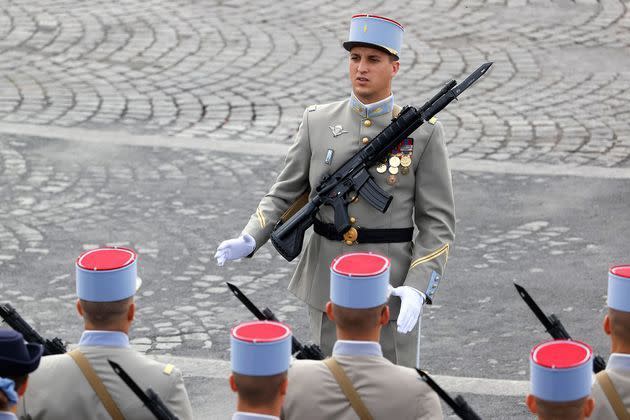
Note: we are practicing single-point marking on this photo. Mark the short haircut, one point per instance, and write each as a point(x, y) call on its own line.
point(551, 410)
point(19, 381)
point(357, 320)
point(106, 314)
point(259, 391)
point(620, 325)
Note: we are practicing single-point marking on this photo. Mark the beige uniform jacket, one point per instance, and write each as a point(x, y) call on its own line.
point(388, 391)
point(58, 389)
point(423, 199)
point(618, 370)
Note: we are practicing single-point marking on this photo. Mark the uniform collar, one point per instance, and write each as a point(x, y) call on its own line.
point(104, 338)
point(241, 415)
point(373, 110)
point(7, 415)
point(618, 361)
point(357, 348)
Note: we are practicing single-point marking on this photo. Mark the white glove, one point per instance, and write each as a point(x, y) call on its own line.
point(411, 301)
point(236, 248)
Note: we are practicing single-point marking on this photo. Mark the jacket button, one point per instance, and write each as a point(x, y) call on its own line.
point(367, 123)
point(365, 140)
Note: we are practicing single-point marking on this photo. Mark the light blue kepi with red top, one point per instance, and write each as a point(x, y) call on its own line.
point(260, 348)
point(375, 31)
point(107, 274)
point(359, 280)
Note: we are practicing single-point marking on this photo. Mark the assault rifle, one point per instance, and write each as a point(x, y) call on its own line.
point(15, 321)
point(353, 175)
point(150, 399)
point(301, 351)
point(553, 325)
point(459, 405)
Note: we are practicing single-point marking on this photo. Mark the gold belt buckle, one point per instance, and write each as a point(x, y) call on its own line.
point(350, 237)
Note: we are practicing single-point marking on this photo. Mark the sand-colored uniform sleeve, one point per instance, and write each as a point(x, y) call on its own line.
point(434, 212)
point(177, 401)
point(290, 184)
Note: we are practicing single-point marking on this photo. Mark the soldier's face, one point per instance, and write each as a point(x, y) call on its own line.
point(371, 73)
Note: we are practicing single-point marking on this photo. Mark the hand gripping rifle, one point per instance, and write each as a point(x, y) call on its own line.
point(301, 351)
point(150, 399)
point(353, 175)
point(553, 325)
point(459, 405)
point(16, 322)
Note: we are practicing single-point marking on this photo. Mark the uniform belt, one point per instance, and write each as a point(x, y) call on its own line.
point(365, 236)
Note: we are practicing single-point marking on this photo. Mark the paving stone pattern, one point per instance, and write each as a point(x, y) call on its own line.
point(233, 69)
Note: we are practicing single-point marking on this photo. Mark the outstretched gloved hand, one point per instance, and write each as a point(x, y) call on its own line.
point(236, 248)
point(411, 301)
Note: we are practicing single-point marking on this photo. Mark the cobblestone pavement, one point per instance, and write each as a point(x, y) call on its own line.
point(174, 206)
point(232, 69)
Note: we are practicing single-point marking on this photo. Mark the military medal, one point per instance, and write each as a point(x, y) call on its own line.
point(404, 170)
point(381, 168)
point(391, 179)
point(405, 161)
point(394, 162)
point(393, 170)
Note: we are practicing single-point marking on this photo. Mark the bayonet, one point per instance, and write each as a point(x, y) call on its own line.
point(458, 405)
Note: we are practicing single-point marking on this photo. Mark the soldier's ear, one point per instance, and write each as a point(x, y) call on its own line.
point(79, 308)
point(329, 311)
point(384, 315)
point(22, 389)
point(531, 403)
point(589, 406)
point(284, 386)
point(233, 384)
point(131, 312)
point(607, 327)
point(395, 67)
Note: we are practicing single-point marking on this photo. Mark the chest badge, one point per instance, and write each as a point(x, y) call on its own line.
point(337, 130)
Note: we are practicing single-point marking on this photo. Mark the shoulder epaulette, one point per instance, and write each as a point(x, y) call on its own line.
point(168, 369)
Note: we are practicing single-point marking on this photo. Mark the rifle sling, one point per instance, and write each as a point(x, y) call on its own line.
point(348, 389)
point(612, 395)
point(96, 384)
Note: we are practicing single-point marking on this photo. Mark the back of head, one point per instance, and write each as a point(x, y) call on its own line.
point(359, 291)
point(17, 360)
point(106, 281)
point(617, 324)
point(561, 374)
point(260, 356)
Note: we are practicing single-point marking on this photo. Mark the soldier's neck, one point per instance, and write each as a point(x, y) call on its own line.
point(376, 97)
point(123, 328)
point(273, 409)
point(373, 335)
point(618, 346)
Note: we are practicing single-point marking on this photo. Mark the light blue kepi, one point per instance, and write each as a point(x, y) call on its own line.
point(107, 274)
point(375, 31)
point(260, 348)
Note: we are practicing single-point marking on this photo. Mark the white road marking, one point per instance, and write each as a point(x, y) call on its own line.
point(122, 138)
point(220, 369)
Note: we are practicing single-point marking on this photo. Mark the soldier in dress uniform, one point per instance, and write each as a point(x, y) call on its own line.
point(260, 356)
point(611, 389)
point(358, 380)
point(416, 173)
point(17, 360)
point(561, 374)
point(81, 384)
